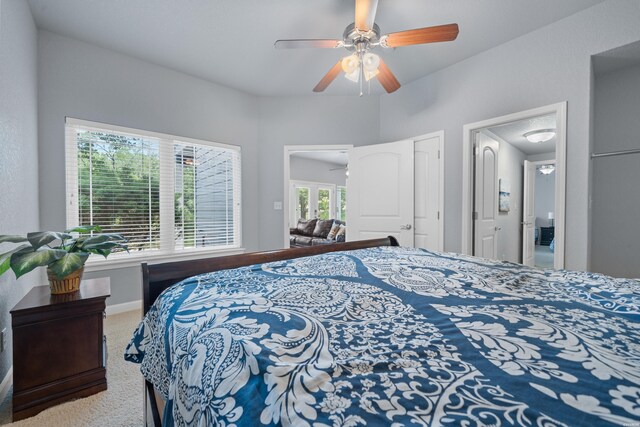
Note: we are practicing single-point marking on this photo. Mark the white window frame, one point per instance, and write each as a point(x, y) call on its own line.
point(167, 189)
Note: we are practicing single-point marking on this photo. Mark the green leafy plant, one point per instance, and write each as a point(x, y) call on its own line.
point(62, 252)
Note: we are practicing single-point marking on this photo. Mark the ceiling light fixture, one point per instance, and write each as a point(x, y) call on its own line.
point(547, 169)
point(361, 65)
point(542, 135)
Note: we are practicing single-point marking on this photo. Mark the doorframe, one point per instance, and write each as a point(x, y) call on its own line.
point(468, 137)
point(440, 135)
point(288, 150)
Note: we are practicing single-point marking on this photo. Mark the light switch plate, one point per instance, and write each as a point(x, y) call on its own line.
point(277, 206)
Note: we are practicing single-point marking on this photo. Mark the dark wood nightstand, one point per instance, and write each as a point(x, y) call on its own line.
point(59, 348)
point(546, 235)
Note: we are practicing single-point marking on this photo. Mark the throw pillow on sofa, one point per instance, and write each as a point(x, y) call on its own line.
point(322, 228)
point(306, 227)
point(334, 230)
point(341, 234)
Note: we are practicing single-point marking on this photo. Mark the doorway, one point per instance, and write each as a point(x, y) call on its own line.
point(315, 184)
point(504, 217)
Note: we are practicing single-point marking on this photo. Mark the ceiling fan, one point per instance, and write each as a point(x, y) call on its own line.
point(360, 38)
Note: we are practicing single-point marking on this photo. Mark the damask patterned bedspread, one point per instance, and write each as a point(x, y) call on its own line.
point(394, 336)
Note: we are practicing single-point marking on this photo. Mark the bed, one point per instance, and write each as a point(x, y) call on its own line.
point(370, 333)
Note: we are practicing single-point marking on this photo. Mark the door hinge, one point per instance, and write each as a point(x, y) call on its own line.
point(438, 153)
point(475, 215)
point(438, 215)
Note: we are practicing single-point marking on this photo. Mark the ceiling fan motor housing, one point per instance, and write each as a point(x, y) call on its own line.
point(358, 40)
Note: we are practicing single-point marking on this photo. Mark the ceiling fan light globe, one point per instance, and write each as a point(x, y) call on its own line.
point(350, 64)
point(354, 76)
point(371, 62)
point(368, 75)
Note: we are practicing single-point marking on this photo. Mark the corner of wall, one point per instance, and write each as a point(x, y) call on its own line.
point(19, 140)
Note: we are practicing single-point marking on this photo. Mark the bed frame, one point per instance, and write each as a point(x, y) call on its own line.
point(158, 277)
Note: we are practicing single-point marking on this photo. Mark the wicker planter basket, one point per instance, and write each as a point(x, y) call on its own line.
point(68, 284)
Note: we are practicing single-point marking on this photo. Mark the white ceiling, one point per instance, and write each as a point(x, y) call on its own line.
point(231, 41)
point(336, 157)
point(513, 133)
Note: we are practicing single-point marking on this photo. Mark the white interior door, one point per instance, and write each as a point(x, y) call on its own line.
point(529, 215)
point(486, 197)
point(427, 196)
point(380, 192)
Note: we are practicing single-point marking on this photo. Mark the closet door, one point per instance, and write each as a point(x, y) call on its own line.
point(428, 197)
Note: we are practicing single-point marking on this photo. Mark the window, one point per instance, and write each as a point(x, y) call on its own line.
point(341, 204)
point(324, 203)
point(165, 194)
point(302, 202)
point(311, 200)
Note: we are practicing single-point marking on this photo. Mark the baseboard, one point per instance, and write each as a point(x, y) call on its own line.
point(6, 384)
point(124, 307)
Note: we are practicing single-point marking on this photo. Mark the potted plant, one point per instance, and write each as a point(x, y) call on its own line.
point(63, 253)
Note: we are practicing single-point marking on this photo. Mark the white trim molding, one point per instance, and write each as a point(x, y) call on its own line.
point(124, 307)
point(6, 384)
point(468, 137)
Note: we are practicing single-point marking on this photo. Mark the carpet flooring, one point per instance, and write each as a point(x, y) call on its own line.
point(544, 257)
point(119, 405)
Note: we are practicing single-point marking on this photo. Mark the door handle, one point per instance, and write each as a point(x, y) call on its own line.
point(405, 227)
point(498, 228)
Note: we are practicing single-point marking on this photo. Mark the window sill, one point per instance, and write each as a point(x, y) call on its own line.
point(99, 263)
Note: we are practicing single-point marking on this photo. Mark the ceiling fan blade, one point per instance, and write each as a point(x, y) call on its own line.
point(365, 14)
point(386, 78)
point(329, 77)
point(441, 33)
point(308, 43)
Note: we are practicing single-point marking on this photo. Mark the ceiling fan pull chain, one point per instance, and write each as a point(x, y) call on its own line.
point(361, 56)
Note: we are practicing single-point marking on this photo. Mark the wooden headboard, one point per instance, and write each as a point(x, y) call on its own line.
point(158, 277)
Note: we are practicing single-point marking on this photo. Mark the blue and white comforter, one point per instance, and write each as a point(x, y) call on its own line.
point(394, 336)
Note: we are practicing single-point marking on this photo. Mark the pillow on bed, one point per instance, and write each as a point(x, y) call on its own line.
point(306, 227)
point(322, 228)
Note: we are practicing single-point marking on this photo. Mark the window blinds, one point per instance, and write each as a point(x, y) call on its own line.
point(163, 193)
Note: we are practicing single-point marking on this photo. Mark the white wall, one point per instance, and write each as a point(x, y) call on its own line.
point(310, 120)
point(18, 148)
point(546, 66)
point(510, 167)
point(84, 81)
point(615, 243)
point(316, 171)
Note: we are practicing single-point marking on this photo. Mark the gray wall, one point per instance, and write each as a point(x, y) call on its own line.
point(316, 171)
point(18, 148)
point(545, 194)
point(616, 180)
point(544, 156)
point(84, 81)
point(88, 82)
point(510, 167)
point(319, 120)
point(543, 67)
